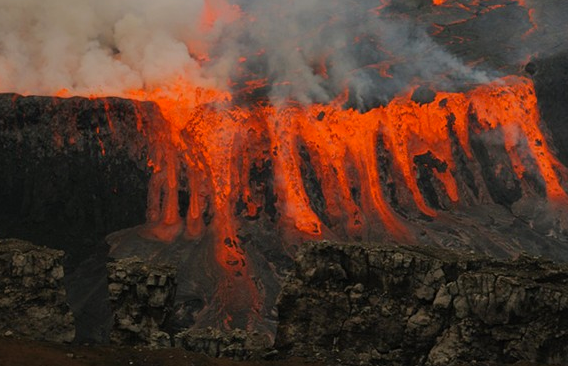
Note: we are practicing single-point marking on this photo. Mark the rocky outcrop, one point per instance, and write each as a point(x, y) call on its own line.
point(386, 305)
point(33, 298)
point(73, 170)
point(236, 344)
point(141, 297)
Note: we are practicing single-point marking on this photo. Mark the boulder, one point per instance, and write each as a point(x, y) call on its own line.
point(236, 344)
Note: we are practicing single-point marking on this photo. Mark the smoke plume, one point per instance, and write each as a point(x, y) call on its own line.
point(304, 50)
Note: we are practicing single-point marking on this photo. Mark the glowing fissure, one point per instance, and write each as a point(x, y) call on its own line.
point(471, 7)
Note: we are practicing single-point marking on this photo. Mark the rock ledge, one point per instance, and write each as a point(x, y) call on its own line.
point(388, 305)
point(33, 298)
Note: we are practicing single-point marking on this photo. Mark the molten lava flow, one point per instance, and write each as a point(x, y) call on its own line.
point(210, 146)
point(513, 108)
point(262, 153)
point(325, 168)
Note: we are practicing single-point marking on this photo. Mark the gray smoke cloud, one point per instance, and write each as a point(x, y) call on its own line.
point(373, 52)
point(102, 46)
point(306, 50)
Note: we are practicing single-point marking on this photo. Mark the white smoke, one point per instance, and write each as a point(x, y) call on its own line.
point(102, 46)
point(299, 38)
point(308, 50)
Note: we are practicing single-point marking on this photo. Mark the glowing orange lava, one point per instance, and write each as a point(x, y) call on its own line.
point(209, 146)
point(211, 139)
point(212, 144)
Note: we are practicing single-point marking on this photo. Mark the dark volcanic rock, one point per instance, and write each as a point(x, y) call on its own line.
point(196, 282)
point(74, 170)
point(550, 77)
point(33, 302)
point(141, 297)
point(236, 344)
point(387, 305)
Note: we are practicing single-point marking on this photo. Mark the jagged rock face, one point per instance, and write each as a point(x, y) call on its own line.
point(550, 76)
point(141, 297)
point(385, 305)
point(33, 302)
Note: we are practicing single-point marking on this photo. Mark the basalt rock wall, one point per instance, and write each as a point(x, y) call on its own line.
point(142, 297)
point(73, 170)
point(550, 77)
point(33, 300)
point(356, 304)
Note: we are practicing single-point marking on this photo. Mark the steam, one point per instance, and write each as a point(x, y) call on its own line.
point(306, 50)
point(349, 40)
point(104, 46)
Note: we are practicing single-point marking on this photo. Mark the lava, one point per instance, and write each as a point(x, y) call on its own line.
point(211, 142)
point(210, 146)
point(210, 139)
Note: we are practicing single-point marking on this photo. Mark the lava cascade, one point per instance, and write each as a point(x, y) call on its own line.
point(210, 146)
point(217, 143)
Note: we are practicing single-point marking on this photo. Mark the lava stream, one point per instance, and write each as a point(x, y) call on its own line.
point(209, 147)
